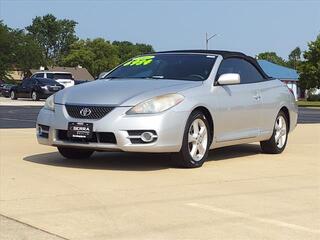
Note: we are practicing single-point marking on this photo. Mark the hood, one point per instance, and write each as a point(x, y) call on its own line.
point(121, 92)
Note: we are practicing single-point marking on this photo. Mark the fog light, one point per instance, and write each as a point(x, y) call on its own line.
point(39, 130)
point(147, 136)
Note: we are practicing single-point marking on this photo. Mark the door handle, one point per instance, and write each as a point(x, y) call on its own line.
point(257, 97)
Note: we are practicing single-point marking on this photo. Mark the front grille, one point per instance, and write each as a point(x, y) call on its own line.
point(44, 127)
point(96, 112)
point(97, 137)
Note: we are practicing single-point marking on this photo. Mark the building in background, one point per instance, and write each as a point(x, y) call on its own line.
point(78, 73)
point(286, 75)
point(15, 74)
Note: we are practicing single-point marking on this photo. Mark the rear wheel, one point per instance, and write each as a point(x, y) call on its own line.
point(75, 153)
point(13, 95)
point(195, 144)
point(278, 141)
point(35, 96)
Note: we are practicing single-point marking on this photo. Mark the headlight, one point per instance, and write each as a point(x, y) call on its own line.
point(49, 104)
point(157, 104)
point(44, 87)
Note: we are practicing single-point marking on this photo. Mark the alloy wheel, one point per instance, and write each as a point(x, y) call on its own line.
point(281, 131)
point(34, 96)
point(197, 139)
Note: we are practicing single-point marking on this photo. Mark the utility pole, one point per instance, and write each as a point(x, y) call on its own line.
point(208, 38)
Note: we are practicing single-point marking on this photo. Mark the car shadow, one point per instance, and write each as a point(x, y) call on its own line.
point(235, 151)
point(136, 161)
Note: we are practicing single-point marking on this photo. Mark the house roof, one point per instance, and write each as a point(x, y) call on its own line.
point(277, 71)
point(78, 73)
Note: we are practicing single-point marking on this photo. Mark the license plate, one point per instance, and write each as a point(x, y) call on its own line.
point(80, 130)
point(55, 88)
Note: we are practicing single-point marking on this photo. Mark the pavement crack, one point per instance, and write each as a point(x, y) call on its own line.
point(34, 227)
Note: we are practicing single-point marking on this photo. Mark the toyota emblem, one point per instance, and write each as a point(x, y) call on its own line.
point(85, 112)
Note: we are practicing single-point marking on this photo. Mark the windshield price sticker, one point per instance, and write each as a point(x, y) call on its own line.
point(140, 61)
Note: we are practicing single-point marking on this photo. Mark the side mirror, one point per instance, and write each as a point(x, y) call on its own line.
point(229, 78)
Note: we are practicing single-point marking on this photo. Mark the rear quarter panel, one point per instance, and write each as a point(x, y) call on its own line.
point(276, 95)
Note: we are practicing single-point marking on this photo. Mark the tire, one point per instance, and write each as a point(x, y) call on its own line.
point(278, 141)
point(35, 96)
point(13, 95)
point(195, 147)
point(75, 153)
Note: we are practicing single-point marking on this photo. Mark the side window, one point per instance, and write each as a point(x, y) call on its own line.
point(27, 82)
point(24, 82)
point(50, 75)
point(40, 75)
point(248, 73)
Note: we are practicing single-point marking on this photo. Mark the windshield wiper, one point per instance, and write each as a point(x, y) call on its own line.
point(153, 77)
point(149, 77)
point(111, 77)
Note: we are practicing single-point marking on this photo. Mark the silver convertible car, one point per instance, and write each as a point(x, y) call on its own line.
point(179, 102)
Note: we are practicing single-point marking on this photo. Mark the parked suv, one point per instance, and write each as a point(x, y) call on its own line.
point(64, 78)
point(35, 88)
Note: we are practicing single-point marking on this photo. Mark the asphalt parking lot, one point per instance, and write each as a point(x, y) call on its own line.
point(17, 115)
point(238, 194)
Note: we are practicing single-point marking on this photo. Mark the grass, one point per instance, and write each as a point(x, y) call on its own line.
point(304, 103)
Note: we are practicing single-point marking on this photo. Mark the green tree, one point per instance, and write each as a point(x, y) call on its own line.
point(310, 68)
point(96, 55)
point(6, 50)
point(294, 58)
point(27, 52)
point(54, 35)
point(272, 57)
point(127, 50)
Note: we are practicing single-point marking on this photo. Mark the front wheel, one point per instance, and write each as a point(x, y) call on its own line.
point(195, 144)
point(74, 153)
point(278, 141)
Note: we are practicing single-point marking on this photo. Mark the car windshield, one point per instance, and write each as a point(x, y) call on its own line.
point(47, 81)
point(193, 67)
point(61, 76)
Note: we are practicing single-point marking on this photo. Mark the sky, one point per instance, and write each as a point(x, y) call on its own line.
point(248, 26)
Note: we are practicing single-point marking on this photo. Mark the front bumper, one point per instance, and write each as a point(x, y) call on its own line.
point(169, 127)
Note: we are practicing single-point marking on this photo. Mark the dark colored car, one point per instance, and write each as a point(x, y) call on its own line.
point(35, 88)
point(5, 89)
point(76, 82)
point(2, 83)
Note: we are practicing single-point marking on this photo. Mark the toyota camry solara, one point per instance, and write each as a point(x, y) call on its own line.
point(179, 102)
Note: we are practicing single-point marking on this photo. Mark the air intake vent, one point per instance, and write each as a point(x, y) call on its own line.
point(88, 112)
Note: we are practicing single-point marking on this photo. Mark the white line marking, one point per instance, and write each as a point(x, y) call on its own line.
point(253, 218)
point(14, 119)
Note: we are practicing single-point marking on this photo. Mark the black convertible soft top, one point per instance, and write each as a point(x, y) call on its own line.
point(225, 54)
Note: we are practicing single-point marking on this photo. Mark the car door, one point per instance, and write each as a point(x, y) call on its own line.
point(29, 87)
point(238, 112)
point(22, 88)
